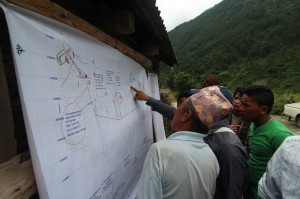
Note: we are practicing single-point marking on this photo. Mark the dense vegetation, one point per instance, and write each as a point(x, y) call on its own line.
point(243, 42)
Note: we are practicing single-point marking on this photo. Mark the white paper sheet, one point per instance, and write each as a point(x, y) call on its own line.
point(87, 136)
point(158, 124)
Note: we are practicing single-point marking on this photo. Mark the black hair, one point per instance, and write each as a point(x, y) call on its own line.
point(239, 90)
point(210, 81)
point(185, 94)
point(197, 125)
point(262, 95)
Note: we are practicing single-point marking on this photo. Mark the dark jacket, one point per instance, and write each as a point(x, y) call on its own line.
point(165, 109)
point(232, 158)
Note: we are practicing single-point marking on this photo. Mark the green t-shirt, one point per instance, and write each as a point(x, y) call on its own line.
point(263, 142)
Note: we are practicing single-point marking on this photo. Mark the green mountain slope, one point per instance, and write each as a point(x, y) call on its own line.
point(243, 42)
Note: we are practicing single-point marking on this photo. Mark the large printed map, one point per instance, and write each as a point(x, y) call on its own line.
point(88, 137)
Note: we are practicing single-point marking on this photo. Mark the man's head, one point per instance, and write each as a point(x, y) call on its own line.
point(182, 97)
point(256, 103)
point(237, 96)
point(206, 107)
point(186, 119)
point(210, 81)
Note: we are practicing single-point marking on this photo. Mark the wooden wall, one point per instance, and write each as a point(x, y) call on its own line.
point(16, 172)
point(8, 143)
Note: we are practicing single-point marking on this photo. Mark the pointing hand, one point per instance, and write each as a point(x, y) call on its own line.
point(140, 95)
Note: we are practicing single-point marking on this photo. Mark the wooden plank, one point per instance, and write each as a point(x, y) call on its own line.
point(8, 146)
point(123, 22)
point(17, 178)
point(148, 49)
point(54, 11)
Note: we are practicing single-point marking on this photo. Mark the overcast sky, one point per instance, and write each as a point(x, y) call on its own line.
point(175, 12)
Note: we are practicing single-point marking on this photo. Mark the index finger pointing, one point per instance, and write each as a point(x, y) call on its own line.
point(134, 89)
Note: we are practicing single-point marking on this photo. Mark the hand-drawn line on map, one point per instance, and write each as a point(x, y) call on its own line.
point(67, 56)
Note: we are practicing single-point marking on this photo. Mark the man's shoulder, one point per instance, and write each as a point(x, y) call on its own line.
point(182, 138)
point(279, 130)
point(291, 143)
point(293, 139)
point(225, 142)
point(278, 125)
point(288, 153)
point(224, 138)
point(274, 128)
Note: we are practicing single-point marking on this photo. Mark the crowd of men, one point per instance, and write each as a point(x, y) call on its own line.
point(223, 146)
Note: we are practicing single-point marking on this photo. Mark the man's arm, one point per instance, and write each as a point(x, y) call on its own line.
point(281, 179)
point(268, 184)
point(267, 187)
point(165, 109)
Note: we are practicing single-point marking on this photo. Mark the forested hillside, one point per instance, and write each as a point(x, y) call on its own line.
point(243, 42)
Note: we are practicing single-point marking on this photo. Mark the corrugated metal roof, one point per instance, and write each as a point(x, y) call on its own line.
point(149, 26)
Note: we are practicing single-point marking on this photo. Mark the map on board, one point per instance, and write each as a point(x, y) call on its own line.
point(88, 137)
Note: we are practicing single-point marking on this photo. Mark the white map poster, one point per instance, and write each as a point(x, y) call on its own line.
point(158, 124)
point(87, 136)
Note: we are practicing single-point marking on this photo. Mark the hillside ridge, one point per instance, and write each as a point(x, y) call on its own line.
point(243, 42)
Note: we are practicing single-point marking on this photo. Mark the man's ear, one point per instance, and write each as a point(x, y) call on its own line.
point(264, 110)
point(187, 115)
